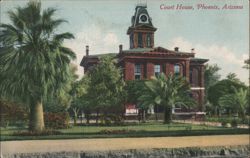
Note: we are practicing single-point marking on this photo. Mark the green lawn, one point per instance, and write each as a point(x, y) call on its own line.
point(137, 130)
point(148, 127)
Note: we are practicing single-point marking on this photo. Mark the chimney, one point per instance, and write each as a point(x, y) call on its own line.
point(120, 48)
point(87, 50)
point(192, 50)
point(176, 49)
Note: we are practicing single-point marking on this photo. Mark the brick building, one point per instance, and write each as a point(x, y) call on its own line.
point(143, 60)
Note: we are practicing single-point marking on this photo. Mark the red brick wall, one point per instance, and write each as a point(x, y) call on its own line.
point(187, 70)
point(142, 71)
point(169, 68)
point(202, 69)
point(129, 71)
point(150, 70)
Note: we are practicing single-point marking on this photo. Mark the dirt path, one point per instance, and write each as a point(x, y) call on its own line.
point(34, 146)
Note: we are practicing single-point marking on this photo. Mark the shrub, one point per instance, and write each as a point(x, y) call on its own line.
point(56, 120)
point(224, 122)
point(33, 133)
point(122, 131)
point(12, 113)
point(227, 120)
point(188, 128)
point(234, 123)
point(246, 121)
point(111, 119)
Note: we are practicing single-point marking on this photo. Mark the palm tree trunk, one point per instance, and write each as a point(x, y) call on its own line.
point(36, 117)
point(167, 114)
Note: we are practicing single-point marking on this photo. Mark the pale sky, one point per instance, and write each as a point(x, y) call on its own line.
point(222, 35)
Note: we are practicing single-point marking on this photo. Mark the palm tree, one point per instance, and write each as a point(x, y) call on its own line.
point(236, 102)
point(167, 91)
point(33, 62)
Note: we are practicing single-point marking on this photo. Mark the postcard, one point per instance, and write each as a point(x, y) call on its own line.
point(128, 78)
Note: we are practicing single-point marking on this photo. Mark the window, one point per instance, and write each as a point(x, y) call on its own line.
point(177, 69)
point(137, 71)
point(131, 40)
point(148, 40)
point(191, 77)
point(157, 69)
point(140, 40)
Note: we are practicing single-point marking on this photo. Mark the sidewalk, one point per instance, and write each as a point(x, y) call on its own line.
point(42, 146)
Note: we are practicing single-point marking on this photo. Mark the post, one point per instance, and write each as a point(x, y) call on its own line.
point(87, 50)
point(120, 48)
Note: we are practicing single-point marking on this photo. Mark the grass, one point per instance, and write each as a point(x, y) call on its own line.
point(140, 127)
point(228, 119)
point(137, 130)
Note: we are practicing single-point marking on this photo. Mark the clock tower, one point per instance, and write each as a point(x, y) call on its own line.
point(141, 31)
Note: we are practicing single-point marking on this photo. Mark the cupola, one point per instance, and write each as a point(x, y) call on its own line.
point(141, 31)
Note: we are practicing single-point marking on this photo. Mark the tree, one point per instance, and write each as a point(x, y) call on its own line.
point(60, 102)
point(236, 102)
point(146, 101)
point(233, 77)
point(105, 90)
point(211, 77)
point(247, 64)
point(221, 88)
point(34, 64)
point(134, 90)
point(168, 91)
point(80, 101)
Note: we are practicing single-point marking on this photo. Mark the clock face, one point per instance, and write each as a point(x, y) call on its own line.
point(144, 18)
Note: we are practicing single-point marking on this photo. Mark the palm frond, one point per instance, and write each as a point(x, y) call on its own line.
point(32, 65)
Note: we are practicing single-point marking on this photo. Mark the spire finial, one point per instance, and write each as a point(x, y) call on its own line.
point(142, 3)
